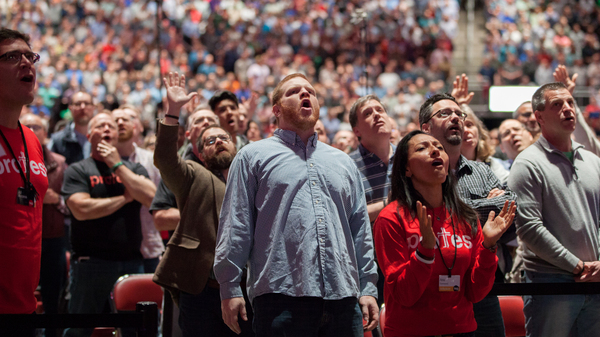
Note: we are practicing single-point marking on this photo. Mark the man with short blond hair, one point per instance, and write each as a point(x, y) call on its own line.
point(311, 269)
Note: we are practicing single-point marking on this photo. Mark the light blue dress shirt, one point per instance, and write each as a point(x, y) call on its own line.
point(296, 216)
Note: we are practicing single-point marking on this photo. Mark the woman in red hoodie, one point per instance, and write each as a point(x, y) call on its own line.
point(436, 259)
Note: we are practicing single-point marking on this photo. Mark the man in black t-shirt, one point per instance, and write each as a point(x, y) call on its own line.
point(104, 195)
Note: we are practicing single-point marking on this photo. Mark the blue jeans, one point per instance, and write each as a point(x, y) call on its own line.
point(488, 316)
point(91, 283)
point(200, 315)
point(280, 315)
point(560, 315)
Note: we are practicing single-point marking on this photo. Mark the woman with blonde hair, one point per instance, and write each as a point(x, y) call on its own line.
point(477, 145)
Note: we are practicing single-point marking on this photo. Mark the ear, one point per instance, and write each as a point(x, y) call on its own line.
point(356, 132)
point(276, 111)
point(425, 127)
point(539, 117)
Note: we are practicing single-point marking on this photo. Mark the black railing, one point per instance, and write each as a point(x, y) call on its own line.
point(144, 319)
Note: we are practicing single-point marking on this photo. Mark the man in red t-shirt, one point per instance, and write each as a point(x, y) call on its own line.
point(23, 181)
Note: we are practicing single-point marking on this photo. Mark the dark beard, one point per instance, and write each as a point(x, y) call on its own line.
point(454, 140)
point(219, 162)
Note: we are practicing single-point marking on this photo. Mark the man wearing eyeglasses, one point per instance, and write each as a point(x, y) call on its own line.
point(72, 142)
point(442, 117)
point(186, 267)
point(23, 182)
point(524, 114)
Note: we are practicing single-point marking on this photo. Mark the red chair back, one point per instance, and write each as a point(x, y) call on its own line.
point(131, 289)
point(512, 313)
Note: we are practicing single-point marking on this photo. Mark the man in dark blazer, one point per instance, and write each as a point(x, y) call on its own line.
point(186, 268)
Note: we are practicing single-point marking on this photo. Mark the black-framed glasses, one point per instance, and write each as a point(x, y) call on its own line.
point(213, 139)
point(15, 56)
point(526, 114)
point(447, 112)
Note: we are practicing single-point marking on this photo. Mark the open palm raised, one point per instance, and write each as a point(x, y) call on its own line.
point(177, 95)
point(495, 227)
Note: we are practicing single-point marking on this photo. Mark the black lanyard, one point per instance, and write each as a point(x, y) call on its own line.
point(28, 186)
point(440, 249)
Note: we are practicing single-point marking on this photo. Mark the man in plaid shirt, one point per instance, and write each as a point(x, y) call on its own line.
point(442, 117)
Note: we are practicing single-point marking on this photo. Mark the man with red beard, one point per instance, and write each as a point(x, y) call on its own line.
point(104, 194)
point(23, 182)
point(128, 124)
point(295, 212)
point(186, 268)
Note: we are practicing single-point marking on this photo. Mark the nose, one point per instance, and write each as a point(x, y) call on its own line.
point(27, 62)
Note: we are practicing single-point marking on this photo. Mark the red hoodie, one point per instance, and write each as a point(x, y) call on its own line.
point(414, 304)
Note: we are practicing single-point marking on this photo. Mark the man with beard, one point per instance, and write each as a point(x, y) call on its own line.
point(71, 142)
point(441, 117)
point(152, 245)
point(295, 212)
point(104, 194)
point(186, 268)
point(23, 181)
point(164, 205)
point(225, 105)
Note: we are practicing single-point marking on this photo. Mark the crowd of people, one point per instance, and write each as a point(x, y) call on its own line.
point(527, 40)
point(109, 50)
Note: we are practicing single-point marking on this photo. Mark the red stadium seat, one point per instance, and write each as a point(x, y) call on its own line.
point(131, 289)
point(512, 313)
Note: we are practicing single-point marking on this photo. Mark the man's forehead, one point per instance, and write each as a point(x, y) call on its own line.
point(204, 114)
point(103, 118)
point(81, 97)
point(226, 102)
point(31, 119)
point(11, 45)
point(295, 82)
point(213, 132)
point(370, 104)
point(510, 124)
point(561, 93)
point(445, 103)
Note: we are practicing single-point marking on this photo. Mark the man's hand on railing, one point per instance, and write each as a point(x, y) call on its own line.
point(591, 272)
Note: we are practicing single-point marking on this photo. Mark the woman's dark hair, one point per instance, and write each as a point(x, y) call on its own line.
point(404, 192)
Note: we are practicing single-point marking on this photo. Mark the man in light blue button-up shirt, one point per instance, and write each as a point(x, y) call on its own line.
point(295, 214)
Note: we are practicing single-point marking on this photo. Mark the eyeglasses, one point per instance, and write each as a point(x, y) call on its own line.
point(16, 56)
point(213, 139)
point(34, 127)
point(445, 113)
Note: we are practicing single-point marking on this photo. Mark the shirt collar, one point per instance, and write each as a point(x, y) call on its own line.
point(364, 152)
point(291, 138)
point(463, 163)
point(545, 144)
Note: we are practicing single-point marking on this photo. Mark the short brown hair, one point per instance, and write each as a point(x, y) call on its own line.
point(277, 92)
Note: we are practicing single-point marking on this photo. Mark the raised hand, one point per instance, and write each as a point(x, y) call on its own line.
point(460, 90)
point(251, 103)
point(425, 226)
point(177, 96)
point(495, 227)
point(561, 74)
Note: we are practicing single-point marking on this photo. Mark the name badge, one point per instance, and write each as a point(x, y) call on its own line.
point(451, 283)
point(26, 197)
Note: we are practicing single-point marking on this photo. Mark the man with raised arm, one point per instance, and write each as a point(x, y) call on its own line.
point(295, 213)
point(186, 268)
